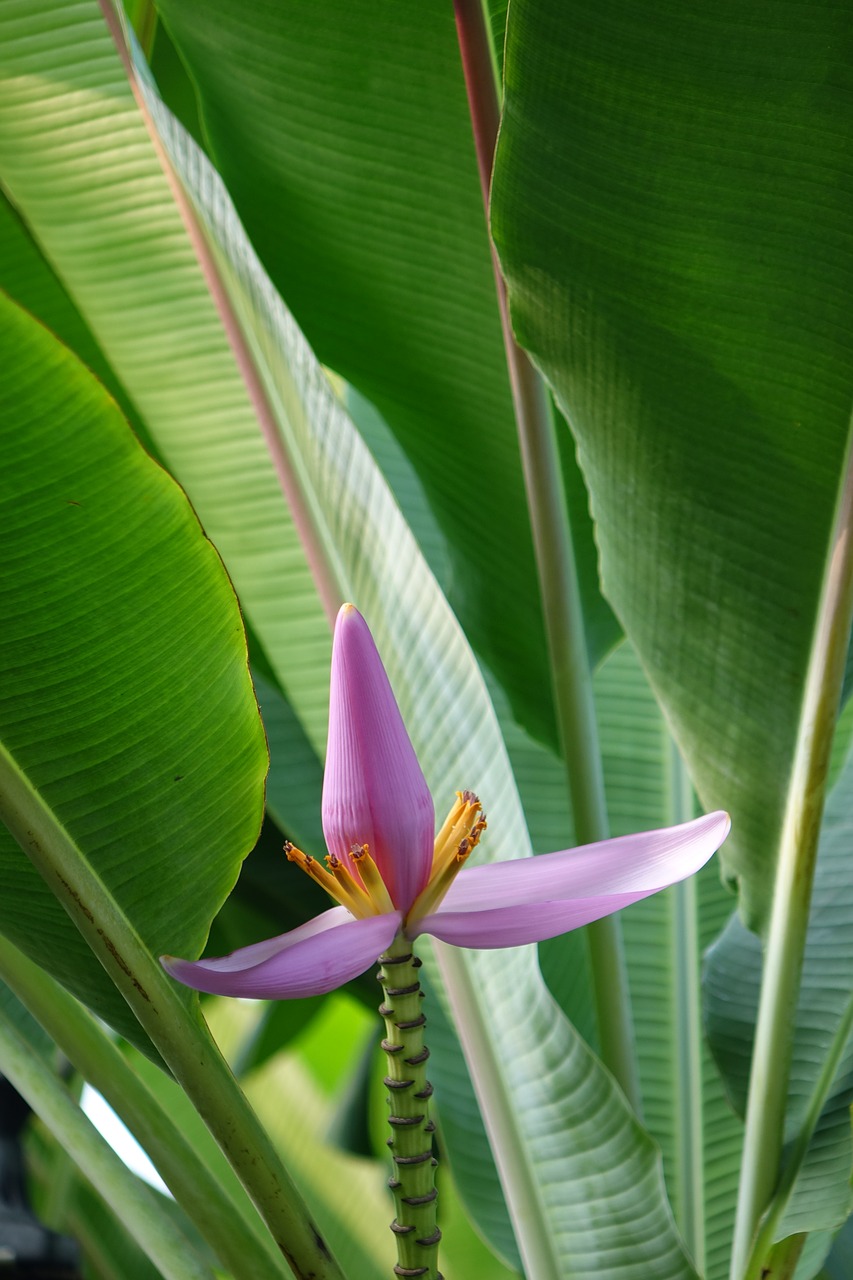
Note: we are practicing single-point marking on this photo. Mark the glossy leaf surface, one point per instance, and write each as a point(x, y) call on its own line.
point(151, 756)
point(121, 252)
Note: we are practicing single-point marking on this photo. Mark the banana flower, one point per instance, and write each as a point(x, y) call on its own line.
point(393, 879)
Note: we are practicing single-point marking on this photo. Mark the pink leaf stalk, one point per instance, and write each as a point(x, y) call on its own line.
point(394, 879)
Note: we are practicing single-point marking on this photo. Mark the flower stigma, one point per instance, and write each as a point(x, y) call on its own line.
point(358, 884)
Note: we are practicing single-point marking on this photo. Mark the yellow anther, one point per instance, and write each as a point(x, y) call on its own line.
point(312, 868)
point(371, 878)
point(441, 880)
point(346, 891)
point(349, 891)
point(450, 822)
point(462, 822)
point(477, 830)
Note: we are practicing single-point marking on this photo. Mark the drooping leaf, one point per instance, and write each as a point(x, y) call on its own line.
point(671, 210)
point(126, 704)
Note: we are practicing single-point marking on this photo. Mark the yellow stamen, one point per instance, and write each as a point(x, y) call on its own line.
point(351, 892)
point(463, 822)
point(340, 892)
point(371, 879)
point(312, 867)
point(429, 898)
point(450, 822)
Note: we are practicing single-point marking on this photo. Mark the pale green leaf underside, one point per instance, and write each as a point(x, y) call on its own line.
point(347, 149)
point(637, 759)
point(593, 1153)
point(638, 768)
point(821, 1197)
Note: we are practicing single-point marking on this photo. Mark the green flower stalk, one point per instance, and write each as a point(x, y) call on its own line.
point(394, 880)
point(409, 1092)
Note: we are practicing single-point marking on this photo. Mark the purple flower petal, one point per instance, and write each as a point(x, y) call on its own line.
point(514, 926)
point(309, 961)
point(247, 957)
point(645, 862)
point(373, 792)
point(506, 904)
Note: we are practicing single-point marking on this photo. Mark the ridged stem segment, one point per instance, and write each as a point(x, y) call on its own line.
point(409, 1092)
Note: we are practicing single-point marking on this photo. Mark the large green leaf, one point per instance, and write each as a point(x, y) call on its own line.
point(121, 252)
point(672, 214)
point(501, 1005)
point(346, 145)
point(821, 1199)
point(126, 702)
point(28, 278)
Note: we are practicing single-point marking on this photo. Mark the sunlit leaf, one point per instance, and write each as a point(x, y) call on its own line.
point(121, 252)
point(126, 706)
point(351, 163)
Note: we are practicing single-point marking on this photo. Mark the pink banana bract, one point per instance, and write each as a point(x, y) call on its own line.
point(391, 875)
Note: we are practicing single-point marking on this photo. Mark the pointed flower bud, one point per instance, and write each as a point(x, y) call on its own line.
point(374, 793)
